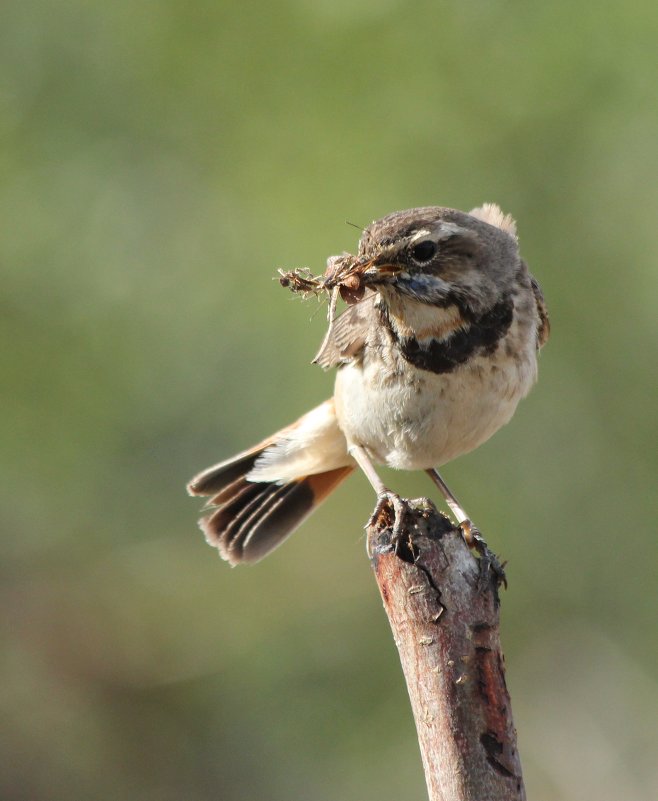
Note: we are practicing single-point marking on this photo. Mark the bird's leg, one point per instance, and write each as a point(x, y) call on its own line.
point(463, 520)
point(488, 559)
point(384, 496)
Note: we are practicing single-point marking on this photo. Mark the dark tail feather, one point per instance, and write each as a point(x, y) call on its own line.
point(250, 519)
point(219, 476)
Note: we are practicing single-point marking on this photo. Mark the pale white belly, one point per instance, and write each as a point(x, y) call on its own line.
point(421, 419)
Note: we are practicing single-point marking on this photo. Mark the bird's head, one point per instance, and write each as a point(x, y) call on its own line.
point(442, 256)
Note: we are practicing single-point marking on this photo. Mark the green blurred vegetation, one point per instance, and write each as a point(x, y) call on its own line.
point(158, 161)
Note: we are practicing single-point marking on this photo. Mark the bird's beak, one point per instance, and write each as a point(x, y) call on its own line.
point(388, 270)
point(352, 274)
point(381, 270)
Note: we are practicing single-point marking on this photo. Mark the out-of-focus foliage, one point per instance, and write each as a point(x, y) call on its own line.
point(158, 161)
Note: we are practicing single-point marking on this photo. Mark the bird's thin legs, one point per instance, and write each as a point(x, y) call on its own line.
point(360, 456)
point(384, 496)
point(453, 503)
point(489, 563)
point(488, 560)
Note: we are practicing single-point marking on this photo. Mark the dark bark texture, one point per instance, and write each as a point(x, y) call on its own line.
point(445, 623)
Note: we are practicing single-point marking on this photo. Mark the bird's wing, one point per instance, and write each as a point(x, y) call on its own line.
point(347, 336)
point(544, 328)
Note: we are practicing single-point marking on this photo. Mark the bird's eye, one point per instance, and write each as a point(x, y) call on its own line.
point(424, 251)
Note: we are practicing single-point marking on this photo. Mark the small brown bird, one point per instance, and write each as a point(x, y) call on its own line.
point(432, 360)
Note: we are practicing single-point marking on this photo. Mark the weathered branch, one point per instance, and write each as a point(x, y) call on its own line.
point(445, 624)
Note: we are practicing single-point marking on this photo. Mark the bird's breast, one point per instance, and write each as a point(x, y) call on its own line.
point(411, 417)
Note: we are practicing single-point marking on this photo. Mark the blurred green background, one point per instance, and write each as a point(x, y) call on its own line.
point(158, 161)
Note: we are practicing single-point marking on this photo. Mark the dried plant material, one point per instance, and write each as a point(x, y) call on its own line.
point(301, 280)
point(341, 267)
point(344, 273)
point(331, 318)
point(352, 289)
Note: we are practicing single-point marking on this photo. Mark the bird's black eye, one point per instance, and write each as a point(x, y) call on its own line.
point(424, 251)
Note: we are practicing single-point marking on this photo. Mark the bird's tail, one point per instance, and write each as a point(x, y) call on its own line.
point(259, 497)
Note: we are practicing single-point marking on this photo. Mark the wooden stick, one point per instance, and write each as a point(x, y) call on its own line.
point(445, 624)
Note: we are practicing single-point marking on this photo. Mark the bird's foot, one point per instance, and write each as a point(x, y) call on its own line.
point(490, 565)
point(392, 512)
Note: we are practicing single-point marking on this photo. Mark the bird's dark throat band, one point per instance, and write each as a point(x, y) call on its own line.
point(481, 336)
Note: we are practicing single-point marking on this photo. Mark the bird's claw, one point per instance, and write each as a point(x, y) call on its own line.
point(391, 512)
point(489, 564)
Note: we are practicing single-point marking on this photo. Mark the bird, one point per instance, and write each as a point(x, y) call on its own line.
point(431, 359)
